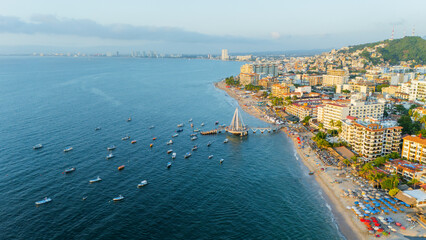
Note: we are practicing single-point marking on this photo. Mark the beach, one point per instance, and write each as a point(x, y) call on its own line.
point(332, 180)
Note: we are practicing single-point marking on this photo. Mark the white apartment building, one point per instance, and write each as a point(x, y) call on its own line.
point(364, 109)
point(418, 90)
point(371, 138)
point(331, 113)
point(332, 80)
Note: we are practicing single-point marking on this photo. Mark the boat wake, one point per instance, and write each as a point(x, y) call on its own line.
point(105, 96)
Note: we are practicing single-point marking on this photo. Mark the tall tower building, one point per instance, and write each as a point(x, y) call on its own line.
point(225, 55)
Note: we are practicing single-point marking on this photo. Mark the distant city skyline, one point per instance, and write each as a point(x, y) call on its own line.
point(195, 27)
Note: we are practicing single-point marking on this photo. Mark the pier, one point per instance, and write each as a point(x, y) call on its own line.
point(237, 127)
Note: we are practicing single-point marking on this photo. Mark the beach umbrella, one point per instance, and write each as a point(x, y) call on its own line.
point(402, 227)
point(377, 224)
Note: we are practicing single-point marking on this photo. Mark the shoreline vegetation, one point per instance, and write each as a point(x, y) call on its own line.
point(332, 180)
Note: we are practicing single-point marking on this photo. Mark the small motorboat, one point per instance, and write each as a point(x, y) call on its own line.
point(129, 119)
point(38, 146)
point(67, 149)
point(152, 127)
point(121, 167)
point(151, 145)
point(211, 156)
point(45, 200)
point(180, 125)
point(154, 138)
point(194, 138)
point(119, 198)
point(216, 123)
point(98, 179)
point(195, 148)
point(202, 124)
point(133, 142)
point(175, 135)
point(110, 155)
point(125, 138)
point(226, 140)
point(190, 120)
point(98, 128)
point(193, 135)
point(143, 183)
point(208, 144)
point(192, 125)
point(69, 170)
point(173, 155)
point(169, 164)
point(169, 142)
point(187, 155)
point(311, 173)
point(169, 151)
point(196, 130)
point(110, 148)
point(221, 161)
point(179, 130)
point(84, 198)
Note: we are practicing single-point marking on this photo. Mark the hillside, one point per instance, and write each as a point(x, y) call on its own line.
point(404, 49)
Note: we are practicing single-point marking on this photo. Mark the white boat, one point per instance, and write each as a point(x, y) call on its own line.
point(226, 140)
point(143, 183)
point(193, 134)
point(169, 151)
point(208, 144)
point(119, 198)
point(110, 156)
point(190, 120)
point(69, 170)
point(194, 148)
point(173, 155)
point(98, 179)
point(194, 138)
point(125, 138)
point(221, 160)
point(187, 155)
point(169, 142)
point(152, 127)
point(196, 130)
point(211, 156)
point(45, 200)
point(129, 119)
point(110, 148)
point(98, 128)
point(175, 135)
point(202, 124)
point(38, 146)
point(169, 164)
point(180, 125)
point(67, 149)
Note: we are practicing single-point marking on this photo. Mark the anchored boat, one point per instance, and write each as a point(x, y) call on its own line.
point(119, 198)
point(38, 146)
point(69, 170)
point(45, 200)
point(98, 179)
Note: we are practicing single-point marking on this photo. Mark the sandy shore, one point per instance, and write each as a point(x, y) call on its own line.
point(349, 224)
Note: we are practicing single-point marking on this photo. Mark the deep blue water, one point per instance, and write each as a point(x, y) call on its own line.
point(261, 191)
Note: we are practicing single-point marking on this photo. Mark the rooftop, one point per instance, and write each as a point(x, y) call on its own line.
point(418, 194)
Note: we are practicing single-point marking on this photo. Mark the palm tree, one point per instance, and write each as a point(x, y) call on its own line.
point(414, 182)
point(331, 123)
point(395, 180)
point(416, 116)
point(423, 119)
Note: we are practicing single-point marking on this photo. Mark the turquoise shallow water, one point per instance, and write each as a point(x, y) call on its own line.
point(261, 191)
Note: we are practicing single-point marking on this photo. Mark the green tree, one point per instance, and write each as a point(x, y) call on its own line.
point(414, 182)
point(379, 161)
point(321, 126)
point(393, 191)
point(306, 119)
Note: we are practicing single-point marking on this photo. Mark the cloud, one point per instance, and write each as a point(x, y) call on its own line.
point(48, 24)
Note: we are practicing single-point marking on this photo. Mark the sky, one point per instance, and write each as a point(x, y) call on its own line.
point(201, 27)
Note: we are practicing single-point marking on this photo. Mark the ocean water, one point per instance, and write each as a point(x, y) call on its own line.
point(261, 191)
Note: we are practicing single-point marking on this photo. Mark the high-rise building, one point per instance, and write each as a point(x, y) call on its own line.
point(414, 148)
point(371, 138)
point(418, 90)
point(268, 69)
point(331, 114)
point(225, 56)
point(335, 77)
